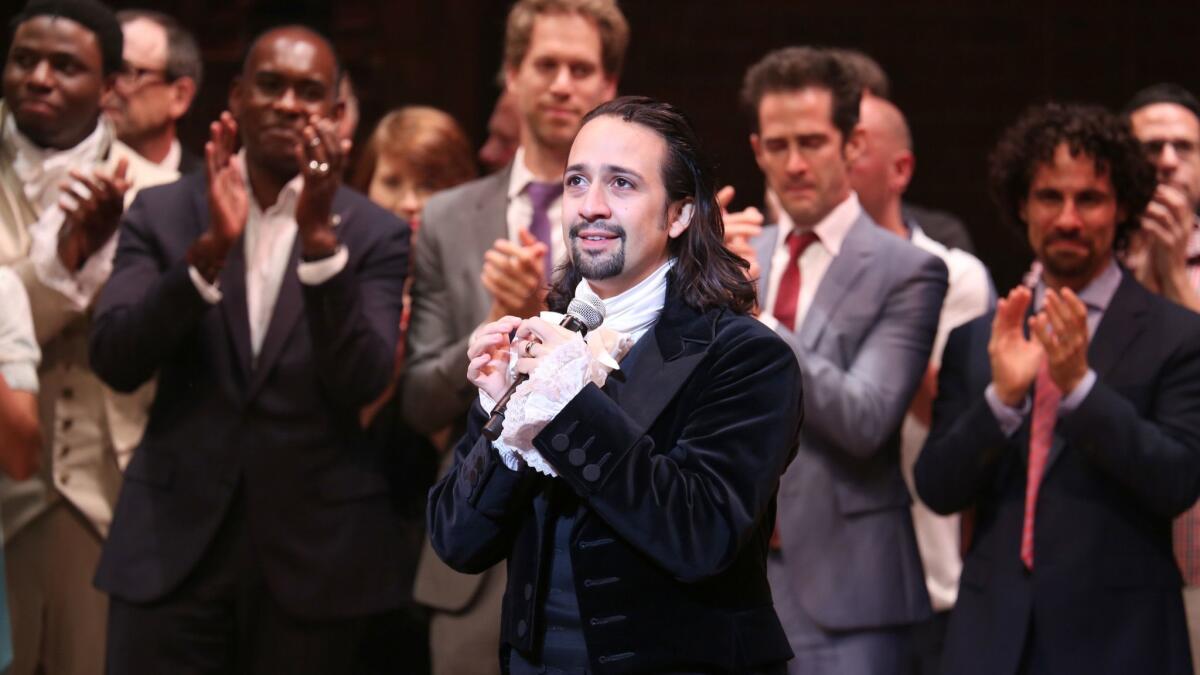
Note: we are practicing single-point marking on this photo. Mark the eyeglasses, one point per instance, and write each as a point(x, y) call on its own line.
point(132, 78)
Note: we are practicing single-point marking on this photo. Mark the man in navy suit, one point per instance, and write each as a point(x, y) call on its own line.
point(1069, 419)
point(257, 530)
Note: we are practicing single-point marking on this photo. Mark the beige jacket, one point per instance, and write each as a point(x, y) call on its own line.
point(89, 431)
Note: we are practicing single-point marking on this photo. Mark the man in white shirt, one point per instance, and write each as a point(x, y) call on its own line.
point(485, 250)
point(160, 76)
point(61, 63)
point(859, 307)
point(880, 176)
point(256, 530)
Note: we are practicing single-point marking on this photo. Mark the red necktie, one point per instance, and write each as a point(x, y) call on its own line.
point(1046, 396)
point(787, 297)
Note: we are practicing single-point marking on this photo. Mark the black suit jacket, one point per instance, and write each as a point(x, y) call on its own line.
point(318, 501)
point(676, 463)
point(1104, 596)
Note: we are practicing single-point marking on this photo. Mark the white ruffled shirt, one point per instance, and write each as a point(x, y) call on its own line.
point(564, 372)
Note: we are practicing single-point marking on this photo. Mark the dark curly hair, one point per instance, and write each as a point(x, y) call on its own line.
point(706, 275)
point(1087, 129)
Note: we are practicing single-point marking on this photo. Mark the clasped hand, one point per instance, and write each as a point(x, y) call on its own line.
point(91, 214)
point(1058, 334)
point(533, 339)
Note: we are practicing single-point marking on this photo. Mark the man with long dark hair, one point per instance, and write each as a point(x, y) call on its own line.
point(634, 512)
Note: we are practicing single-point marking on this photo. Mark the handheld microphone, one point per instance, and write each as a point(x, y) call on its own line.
point(586, 312)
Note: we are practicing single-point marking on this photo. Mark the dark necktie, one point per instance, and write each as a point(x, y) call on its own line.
point(541, 196)
point(787, 297)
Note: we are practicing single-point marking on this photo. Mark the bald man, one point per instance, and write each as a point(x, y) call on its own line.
point(257, 531)
point(880, 176)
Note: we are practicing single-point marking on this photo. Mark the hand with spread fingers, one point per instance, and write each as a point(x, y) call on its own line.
point(536, 338)
point(514, 275)
point(1015, 359)
point(1061, 328)
point(740, 228)
point(228, 199)
point(321, 156)
point(93, 217)
point(487, 354)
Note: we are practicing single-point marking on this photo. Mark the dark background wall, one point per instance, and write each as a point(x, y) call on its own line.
point(960, 70)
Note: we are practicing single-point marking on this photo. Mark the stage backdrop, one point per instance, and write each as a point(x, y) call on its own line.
point(960, 71)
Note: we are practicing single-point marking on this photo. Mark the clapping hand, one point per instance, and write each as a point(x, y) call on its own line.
point(92, 208)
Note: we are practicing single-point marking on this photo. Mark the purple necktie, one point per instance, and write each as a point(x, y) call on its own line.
point(541, 196)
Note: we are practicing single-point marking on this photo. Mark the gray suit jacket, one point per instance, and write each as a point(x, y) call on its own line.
point(448, 303)
point(849, 554)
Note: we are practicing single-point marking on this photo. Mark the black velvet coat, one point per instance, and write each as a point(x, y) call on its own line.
point(676, 463)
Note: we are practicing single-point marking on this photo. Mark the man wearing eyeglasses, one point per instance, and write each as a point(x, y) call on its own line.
point(1165, 257)
point(155, 87)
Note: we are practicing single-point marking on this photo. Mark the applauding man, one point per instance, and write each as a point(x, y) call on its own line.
point(1069, 421)
point(256, 532)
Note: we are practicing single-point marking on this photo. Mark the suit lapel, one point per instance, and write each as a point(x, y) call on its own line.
point(661, 362)
point(855, 256)
point(487, 223)
point(1119, 327)
point(233, 288)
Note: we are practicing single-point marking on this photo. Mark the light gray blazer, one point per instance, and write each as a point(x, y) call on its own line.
point(458, 226)
point(849, 554)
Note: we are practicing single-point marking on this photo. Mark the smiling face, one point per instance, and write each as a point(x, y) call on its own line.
point(144, 103)
point(289, 75)
point(802, 154)
point(560, 79)
point(616, 218)
point(54, 81)
point(1071, 214)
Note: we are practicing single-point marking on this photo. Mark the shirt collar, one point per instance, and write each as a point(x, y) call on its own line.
point(33, 160)
point(1097, 294)
point(520, 176)
point(174, 155)
point(285, 204)
point(833, 228)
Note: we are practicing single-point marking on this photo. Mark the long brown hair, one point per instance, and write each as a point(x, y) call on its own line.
point(706, 275)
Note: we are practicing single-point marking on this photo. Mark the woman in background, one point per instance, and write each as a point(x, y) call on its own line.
point(413, 152)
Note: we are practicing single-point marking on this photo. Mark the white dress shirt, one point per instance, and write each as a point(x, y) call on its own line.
point(19, 353)
point(520, 208)
point(968, 296)
point(268, 240)
point(174, 156)
point(814, 261)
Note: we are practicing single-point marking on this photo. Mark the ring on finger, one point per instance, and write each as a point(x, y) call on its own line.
point(315, 142)
point(529, 348)
point(318, 168)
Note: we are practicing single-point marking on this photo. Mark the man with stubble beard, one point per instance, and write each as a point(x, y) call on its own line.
point(257, 530)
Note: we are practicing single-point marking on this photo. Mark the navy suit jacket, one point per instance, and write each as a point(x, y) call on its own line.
point(318, 499)
point(675, 464)
point(1104, 595)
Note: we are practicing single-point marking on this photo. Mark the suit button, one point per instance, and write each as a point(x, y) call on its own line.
point(472, 476)
point(62, 452)
point(68, 392)
point(591, 472)
point(67, 423)
point(577, 457)
point(528, 591)
point(64, 478)
point(522, 628)
point(560, 442)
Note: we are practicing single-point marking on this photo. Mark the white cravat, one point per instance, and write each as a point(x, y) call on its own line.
point(635, 310)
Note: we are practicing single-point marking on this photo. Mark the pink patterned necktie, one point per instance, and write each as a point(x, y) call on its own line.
point(1046, 397)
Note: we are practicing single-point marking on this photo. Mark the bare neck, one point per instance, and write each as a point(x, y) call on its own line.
point(546, 164)
point(154, 148)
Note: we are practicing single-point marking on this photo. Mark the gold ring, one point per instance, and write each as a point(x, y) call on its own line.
point(529, 348)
